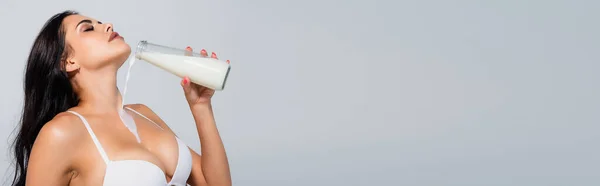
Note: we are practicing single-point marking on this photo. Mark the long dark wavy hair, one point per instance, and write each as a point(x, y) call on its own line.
point(48, 90)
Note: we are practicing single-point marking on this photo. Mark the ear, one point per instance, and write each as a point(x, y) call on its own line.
point(71, 66)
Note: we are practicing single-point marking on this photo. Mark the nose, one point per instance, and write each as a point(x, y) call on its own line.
point(109, 27)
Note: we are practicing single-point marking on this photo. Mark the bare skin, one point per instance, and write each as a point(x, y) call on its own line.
point(64, 153)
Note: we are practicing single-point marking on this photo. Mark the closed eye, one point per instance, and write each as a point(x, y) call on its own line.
point(91, 28)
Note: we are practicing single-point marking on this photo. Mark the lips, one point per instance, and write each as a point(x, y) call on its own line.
point(113, 36)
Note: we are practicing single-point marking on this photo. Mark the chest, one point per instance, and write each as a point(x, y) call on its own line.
point(157, 153)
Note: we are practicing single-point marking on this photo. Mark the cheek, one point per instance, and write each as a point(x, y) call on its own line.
point(95, 50)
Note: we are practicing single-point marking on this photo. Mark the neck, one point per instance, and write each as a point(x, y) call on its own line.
point(99, 92)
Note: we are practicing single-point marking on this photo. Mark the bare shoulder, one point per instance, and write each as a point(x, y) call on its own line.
point(54, 146)
point(61, 130)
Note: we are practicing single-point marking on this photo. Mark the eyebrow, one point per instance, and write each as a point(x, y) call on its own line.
point(86, 21)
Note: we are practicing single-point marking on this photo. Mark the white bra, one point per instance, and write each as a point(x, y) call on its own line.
point(141, 172)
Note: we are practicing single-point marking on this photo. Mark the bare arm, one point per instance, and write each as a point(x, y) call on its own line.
point(214, 160)
point(50, 160)
point(214, 165)
point(212, 168)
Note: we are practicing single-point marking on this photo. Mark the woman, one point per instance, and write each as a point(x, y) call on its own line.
point(71, 131)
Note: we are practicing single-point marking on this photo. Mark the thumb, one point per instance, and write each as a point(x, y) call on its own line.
point(187, 86)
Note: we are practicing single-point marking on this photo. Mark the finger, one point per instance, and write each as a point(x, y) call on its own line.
point(228, 61)
point(214, 55)
point(204, 53)
point(186, 84)
point(188, 51)
point(209, 92)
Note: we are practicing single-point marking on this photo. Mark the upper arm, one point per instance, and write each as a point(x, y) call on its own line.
point(197, 176)
point(50, 160)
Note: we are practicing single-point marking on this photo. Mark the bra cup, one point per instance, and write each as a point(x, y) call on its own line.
point(133, 172)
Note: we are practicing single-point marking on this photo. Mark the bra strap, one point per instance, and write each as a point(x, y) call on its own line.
point(94, 138)
point(144, 117)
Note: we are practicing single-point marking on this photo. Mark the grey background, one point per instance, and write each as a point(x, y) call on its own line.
point(365, 93)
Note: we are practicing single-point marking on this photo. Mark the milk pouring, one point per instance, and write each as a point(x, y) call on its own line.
point(205, 71)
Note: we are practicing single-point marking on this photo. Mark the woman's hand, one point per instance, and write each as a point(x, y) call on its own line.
point(198, 95)
point(213, 159)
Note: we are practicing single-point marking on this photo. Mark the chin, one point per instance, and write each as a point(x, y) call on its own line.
point(123, 54)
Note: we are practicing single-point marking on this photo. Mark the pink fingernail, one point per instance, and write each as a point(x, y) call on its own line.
point(228, 61)
point(213, 55)
point(185, 81)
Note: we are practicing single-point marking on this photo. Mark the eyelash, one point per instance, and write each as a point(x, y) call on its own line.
point(89, 29)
